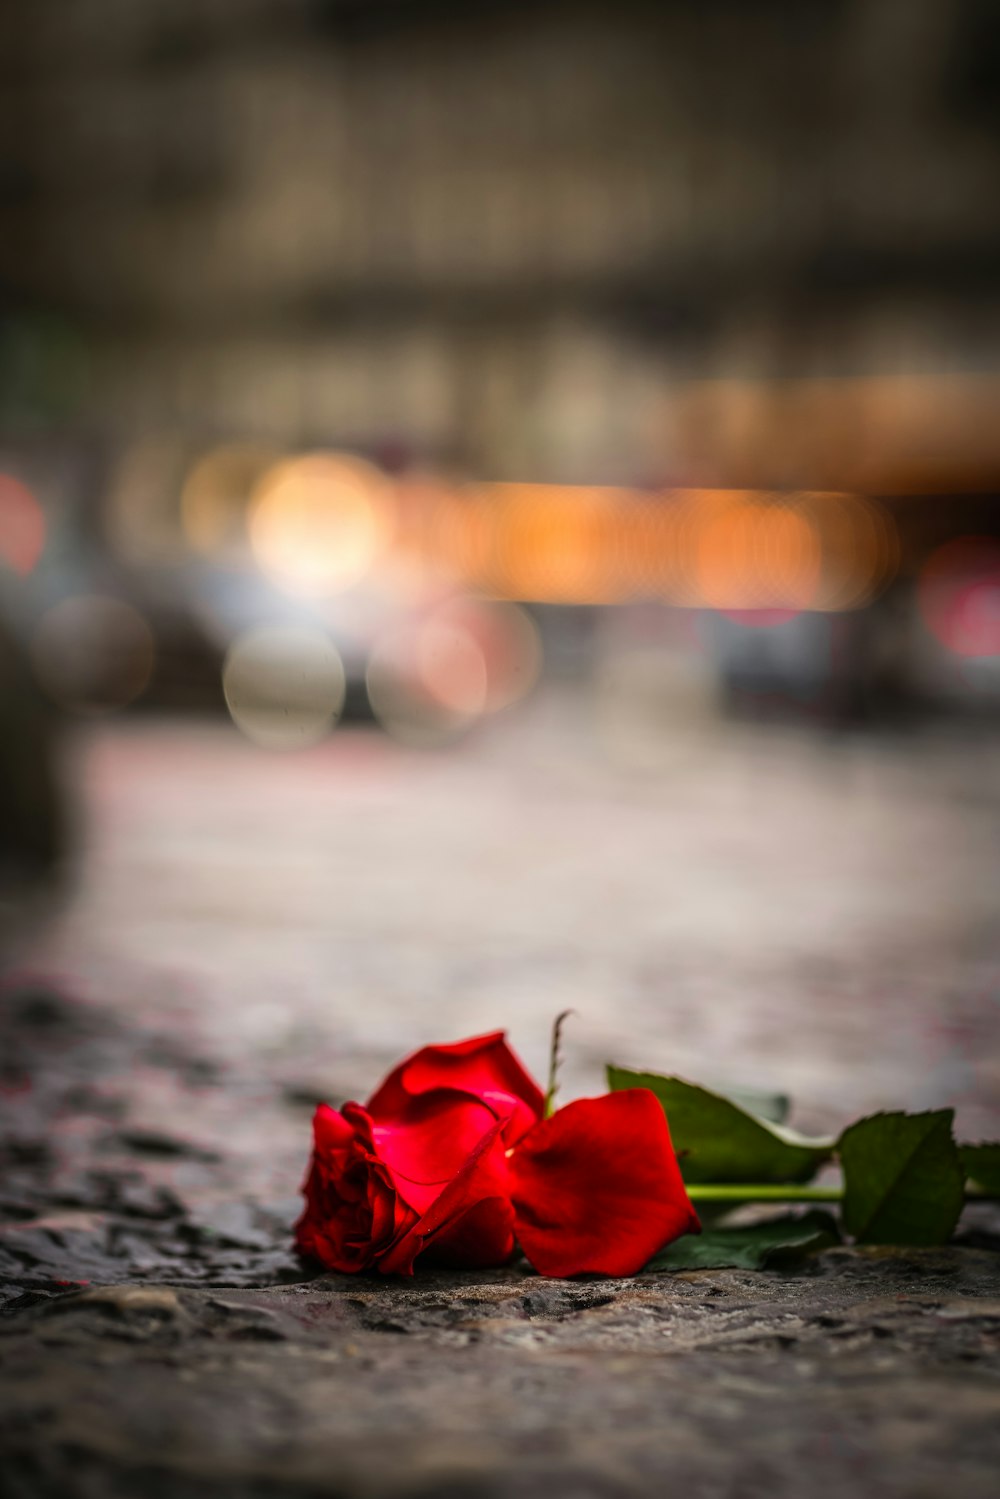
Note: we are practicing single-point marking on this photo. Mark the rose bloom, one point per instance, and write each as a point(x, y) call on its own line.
point(452, 1159)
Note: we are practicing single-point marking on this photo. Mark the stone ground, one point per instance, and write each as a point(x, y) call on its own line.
point(248, 934)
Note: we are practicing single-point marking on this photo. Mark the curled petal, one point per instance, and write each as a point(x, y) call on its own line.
point(458, 1223)
point(484, 1066)
point(479, 1239)
point(337, 1131)
point(353, 1210)
point(429, 1141)
point(596, 1188)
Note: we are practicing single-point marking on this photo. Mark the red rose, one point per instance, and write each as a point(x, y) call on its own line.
point(452, 1158)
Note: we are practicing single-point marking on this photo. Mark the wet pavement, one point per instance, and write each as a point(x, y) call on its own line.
point(248, 934)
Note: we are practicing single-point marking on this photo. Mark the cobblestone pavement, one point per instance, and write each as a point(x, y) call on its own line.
point(249, 934)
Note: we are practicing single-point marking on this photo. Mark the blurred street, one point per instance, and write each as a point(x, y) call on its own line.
point(809, 913)
point(252, 932)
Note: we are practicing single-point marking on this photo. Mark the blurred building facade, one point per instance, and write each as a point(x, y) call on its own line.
point(528, 240)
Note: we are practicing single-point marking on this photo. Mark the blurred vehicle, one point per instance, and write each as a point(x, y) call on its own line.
point(268, 586)
point(831, 667)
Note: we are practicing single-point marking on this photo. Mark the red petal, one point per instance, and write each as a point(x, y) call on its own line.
point(428, 1143)
point(332, 1131)
point(352, 1208)
point(483, 1177)
point(484, 1066)
point(480, 1239)
point(597, 1188)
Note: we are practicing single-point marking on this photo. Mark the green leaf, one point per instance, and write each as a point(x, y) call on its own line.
point(903, 1178)
point(777, 1241)
point(717, 1141)
point(982, 1164)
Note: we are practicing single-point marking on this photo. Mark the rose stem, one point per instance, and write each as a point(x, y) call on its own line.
point(726, 1192)
point(554, 1059)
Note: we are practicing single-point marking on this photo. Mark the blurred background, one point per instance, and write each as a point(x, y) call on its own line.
point(498, 510)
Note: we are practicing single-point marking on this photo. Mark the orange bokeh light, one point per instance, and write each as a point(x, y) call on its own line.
point(860, 548)
point(557, 543)
point(755, 554)
point(316, 522)
point(320, 522)
point(722, 549)
point(216, 495)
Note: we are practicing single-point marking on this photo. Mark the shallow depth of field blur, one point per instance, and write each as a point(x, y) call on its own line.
point(499, 512)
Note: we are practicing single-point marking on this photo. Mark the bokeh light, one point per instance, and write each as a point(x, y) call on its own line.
point(427, 684)
point(22, 526)
point(284, 685)
point(647, 553)
point(738, 550)
point(451, 666)
point(959, 595)
point(754, 554)
point(509, 643)
point(216, 496)
point(466, 658)
point(92, 653)
point(558, 543)
point(860, 548)
point(319, 522)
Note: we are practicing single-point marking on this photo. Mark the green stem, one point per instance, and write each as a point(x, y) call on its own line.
point(727, 1192)
point(554, 1059)
point(724, 1192)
